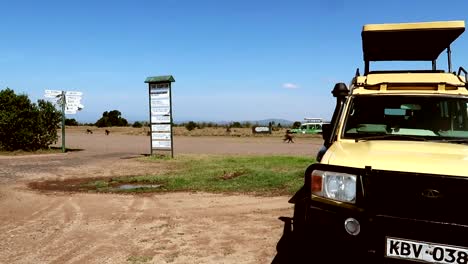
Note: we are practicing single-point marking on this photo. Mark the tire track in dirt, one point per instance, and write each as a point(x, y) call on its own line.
point(110, 238)
point(44, 227)
point(71, 220)
point(104, 238)
point(41, 214)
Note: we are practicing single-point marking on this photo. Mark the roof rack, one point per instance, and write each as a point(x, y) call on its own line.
point(409, 41)
point(407, 71)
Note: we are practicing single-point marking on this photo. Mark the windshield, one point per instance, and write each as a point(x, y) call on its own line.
point(425, 117)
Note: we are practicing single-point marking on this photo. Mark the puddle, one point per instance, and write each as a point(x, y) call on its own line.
point(95, 185)
point(137, 186)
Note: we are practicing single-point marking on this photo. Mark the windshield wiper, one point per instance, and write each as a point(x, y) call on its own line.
point(390, 137)
point(455, 141)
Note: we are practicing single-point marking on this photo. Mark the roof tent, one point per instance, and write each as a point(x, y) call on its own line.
point(409, 41)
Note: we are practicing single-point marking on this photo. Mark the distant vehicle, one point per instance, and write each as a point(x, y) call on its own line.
point(311, 126)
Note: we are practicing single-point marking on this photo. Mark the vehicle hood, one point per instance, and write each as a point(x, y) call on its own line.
point(407, 156)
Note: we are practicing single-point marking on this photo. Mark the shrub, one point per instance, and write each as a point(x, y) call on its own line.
point(296, 124)
point(191, 125)
point(71, 122)
point(137, 124)
point(25, 125)
point(236, 125)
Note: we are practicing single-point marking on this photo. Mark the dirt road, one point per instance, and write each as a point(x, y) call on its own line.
point(157, 228)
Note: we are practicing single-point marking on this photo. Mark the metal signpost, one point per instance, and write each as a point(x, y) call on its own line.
point(160, 111)
point(70, 101)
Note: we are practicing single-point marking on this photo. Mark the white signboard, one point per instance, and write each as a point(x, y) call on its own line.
point(74, 105)
point(159, 85)
point(161, 136)
point(160, 116)
point(70, 112)
point(160, 119)
point(51, 96)
point(162, 128)
point(72, 98)
point(71, 109)
point(262, 129)
point(53, 92)
point(73, 93)
point(161, 144)
point(159, 93)
point(159, 102)
point(160, 111)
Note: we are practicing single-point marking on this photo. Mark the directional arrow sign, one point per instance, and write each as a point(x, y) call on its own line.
point(51, 95)
point(54, 92)
point(72, 105)
point(73, 100)
point(73, 96)
point(74, 93)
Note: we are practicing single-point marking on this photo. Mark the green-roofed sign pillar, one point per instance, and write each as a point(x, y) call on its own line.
point(160, 113)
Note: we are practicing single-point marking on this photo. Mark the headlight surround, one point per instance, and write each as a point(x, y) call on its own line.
point(334, 185)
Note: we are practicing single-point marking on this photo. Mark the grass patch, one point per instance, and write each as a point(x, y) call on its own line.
point(139, 259)
point(263, 175)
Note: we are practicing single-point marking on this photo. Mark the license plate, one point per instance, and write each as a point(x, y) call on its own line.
point(425, 251)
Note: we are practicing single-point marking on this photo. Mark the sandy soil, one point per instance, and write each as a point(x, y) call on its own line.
point(156, 228)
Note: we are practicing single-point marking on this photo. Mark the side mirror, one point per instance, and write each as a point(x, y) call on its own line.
point(326, 132)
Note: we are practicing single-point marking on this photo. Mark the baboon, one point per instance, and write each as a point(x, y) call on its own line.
point(89, 131)
point(288, 137)
point(107, 132)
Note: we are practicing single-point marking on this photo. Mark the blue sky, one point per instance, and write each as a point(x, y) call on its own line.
point(232, 59)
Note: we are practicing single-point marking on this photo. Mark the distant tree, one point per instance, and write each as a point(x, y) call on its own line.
point(247, 124)
point(71, 122)
point(202, 125)
point(112, 118)
point(279, 125)
point(191, 125)
point(25, 125)
point(137, 124)
point(296, 124)
point(236, 125)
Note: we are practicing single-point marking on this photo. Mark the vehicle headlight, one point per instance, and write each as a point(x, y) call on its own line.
point(334, 185)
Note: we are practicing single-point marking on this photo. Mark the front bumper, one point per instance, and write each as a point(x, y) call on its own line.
point(325, 237)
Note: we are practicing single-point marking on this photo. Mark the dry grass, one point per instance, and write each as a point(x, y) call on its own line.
point(182, 131)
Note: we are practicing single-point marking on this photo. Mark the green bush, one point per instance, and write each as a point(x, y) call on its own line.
point(191, 125)
point(296, 124)
point(137, 124)
point(25, 125)
point(71, 122)
point(236, 125)
point(112, 118)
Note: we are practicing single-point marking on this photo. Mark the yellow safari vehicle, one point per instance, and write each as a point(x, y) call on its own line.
point(391, 182)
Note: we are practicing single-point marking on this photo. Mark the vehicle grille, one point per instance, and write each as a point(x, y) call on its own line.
point(429, 197)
